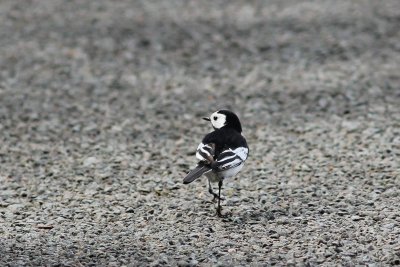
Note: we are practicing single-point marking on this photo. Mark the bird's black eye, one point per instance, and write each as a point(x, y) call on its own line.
point(215, 118)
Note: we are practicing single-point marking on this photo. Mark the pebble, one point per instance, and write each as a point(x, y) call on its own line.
point(90, 161)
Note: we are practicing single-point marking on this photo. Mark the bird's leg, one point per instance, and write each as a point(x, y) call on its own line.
point(210, 190)
point(219, 199)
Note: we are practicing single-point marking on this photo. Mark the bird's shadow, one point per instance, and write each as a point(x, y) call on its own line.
point(256, 215)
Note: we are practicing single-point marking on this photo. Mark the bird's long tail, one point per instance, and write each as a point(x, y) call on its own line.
point(196, 173)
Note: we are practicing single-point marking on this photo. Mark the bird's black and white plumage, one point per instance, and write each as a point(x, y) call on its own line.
point(222, 153)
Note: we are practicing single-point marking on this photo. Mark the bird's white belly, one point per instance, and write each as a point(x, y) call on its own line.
point(218, 176)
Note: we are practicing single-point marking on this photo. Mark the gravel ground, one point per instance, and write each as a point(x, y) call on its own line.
point(100, 107)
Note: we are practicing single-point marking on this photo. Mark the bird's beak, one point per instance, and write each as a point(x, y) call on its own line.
point(206, 119)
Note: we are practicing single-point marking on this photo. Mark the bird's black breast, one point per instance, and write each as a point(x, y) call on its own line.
point(224, 139)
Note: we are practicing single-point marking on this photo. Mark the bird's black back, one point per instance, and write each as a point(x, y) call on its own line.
point(225, 138)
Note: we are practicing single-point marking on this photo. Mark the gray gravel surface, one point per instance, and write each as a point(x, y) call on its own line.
point(100, 107)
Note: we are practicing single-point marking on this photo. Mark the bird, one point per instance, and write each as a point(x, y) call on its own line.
point(221, 153)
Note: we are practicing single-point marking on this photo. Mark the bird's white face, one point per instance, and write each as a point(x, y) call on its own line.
point(218, 120)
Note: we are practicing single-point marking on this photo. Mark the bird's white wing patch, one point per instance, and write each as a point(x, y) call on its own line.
point(242, 152)
point(232, 158)
point(232, 162)
point(204, 151)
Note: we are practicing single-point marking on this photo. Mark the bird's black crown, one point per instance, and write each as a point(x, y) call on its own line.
point(232, 120)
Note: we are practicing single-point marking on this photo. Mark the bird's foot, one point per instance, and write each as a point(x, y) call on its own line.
point(223, 215)
point(219, 212)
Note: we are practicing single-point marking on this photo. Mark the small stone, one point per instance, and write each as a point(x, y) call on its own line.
point(195, 235)
point(194, 262)
point(130, 210)
point(89, 161)
point(15, 207)
point(351, 126)
point(45, 226)
point(305, 167)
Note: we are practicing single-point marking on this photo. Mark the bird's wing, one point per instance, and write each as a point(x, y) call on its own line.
point(230, 158)
point(205, 152)
point(196, 173)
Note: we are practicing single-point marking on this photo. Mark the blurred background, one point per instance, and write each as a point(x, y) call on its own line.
point(100, 107)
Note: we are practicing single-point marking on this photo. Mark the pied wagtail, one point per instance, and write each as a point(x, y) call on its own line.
point(222, 153)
